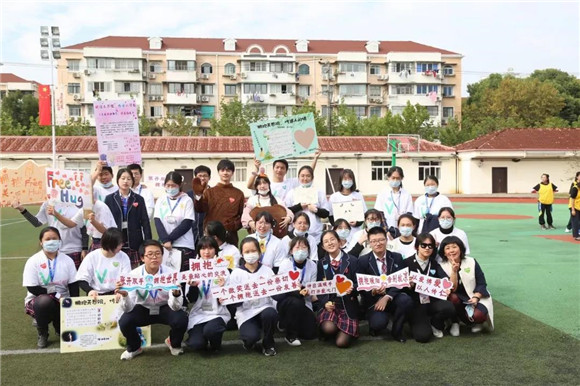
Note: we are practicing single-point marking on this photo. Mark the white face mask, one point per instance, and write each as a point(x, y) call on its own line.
point(371, 224)
point(263, 192)
point(251, 258)
point(307, 185)
point(263, 235)
point(300, 255)
point(347, 184)
point(107, 185)
point(394, 183)
point(299, 233)
point(406, 231)
point(430, 189)
point(172, 192)
point(445, 224)
point(51, 245)
point(343, 233)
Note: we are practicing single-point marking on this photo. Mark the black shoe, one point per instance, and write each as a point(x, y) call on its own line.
point(269, 352)
point(400, 338)
point(249, 347)
point(42, 341)
point(373, 332)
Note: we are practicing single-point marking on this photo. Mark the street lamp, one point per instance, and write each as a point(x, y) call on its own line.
point(50, 50)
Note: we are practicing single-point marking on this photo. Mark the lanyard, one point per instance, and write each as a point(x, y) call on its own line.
point(52, 269)
point(427, 202)
point(398, 204)
point(174, 206)
point(204, 288)
point(140, 189)
point(303, 270)
point(265, 245)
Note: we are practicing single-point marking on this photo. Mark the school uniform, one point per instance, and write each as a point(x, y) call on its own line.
point(427, 311)
point(271, 252)
point(280, 189)
point(294, 310)
point(400, 304)
point(345, 313)
point(426, 210)
point(100, 192)
point(338, 197)
point(100, 273)
point(315, 229)
point(255, 316)
point(355, 248)
point(439, 234)
point(147, 195)
point(142, 308)
point(403, 248)
point(393, 205)
point(230, 253)
point(102, 215)
point(285, 246)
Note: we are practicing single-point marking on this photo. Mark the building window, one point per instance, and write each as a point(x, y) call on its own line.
point(73, 65)
point(292, 169)
point(100, 86)
point(253, 88)
point(433, 110)
point(260, 109)
point(281, 67)
point(256, 66)
point(375, 91)
point(206, 68)
point(230, 69)
point(74, 111)
point(181, 65)
point(429, 168)
point(360, 111)
point(324, 111)
point(347, 90)
point(375, 69)
point(186, 111)
point(423, 67)
point(402, 66)
point(156, 111)
point(99, 63)
point(280, 110)
point(379, 170)
point(281, 89)
point(396, 110)
point(352, 67)
point(127, 87)
point(155, 89)
point(375, 111)
point(303, 91)
point(74, 88)
point(230, 89)
point(181, 88)
point(207, 89)
point(304, 69)
point(448, 71)
point(423, 89)
point(447, 91)
point(80, 166)
point(126, 64)
point(155, 67)
point(90, 110)
point(401, 89)
point(240, 172)
point(447, 112)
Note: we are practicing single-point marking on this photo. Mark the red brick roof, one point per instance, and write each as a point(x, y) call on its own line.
point(13, 144)
point(11, 78)
point(217, 45)
point(525, 139)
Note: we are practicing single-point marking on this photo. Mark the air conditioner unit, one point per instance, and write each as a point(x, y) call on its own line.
point(325, 77)
point(144, 74)
point(292, 93)
point(152, 75)
point(152, 97)
point(88, 72)
point(205, 99)
point(352, 74)
point(77, 97)
point(243, 75)
point(275, 75)
point(76, 74)
point(233, 77)
point(204, 76)
point(135, 71)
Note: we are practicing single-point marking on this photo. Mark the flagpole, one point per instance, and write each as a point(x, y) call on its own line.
point(52, 113)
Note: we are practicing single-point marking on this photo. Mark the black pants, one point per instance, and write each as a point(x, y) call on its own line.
point(433, 314)
point(576, 224)
point(139, 316)
point(545, 208)
point(298, 319)
point(251, 329)
point(46, 310)
point(400, 308)
point(210, 331)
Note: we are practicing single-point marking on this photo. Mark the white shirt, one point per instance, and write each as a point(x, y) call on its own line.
point(439, 236)
point(274, 254)
point(285, 247)
point(404, 249)
point(353, 241)
point(281, 189)
point(394, 204)
point(379, 263)
point(315, 223)
point(231, 254)
point(100, 193)
point(37, 273)
point(198, 314)
point(310, 269)
point(147, 195)
point(102, 214)
point(71, 237)
point(103, 272)
point(172, 213)
point(251, 308)
point(148, 299)
point(432, 205)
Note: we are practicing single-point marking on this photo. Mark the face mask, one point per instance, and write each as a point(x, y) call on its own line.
point(406, 231)
point(307, 185)
point(394, 183)
point(445, 224)
point(299, 233)
point(263, 235)
point(51, 245)
point(343, 233)
point(300, 255)
point(430, 189)
point(263, 192)
point(347, 184)
point(371, 224)
point(107, 185)
point(172, 192)
point(251, 258)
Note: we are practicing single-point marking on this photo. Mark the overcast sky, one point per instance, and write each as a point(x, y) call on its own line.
point(492, 36)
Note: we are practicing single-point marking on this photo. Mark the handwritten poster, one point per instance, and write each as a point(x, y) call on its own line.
point(431, 286)
point(399, 279)
point(261, 288)
point(285, 137)
point(305, 195)
point(155, 180)
point(89, 325)
point(24, 183)
point(352, 211)
point(339, 285)
point(118, 132)
point(70, 187)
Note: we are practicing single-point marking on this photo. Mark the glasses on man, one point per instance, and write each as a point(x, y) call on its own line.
point(377, 241)
point(426, 246)
point(153, 255)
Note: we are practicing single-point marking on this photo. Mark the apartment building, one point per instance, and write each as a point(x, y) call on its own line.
point(10, 83)
point(192, 76)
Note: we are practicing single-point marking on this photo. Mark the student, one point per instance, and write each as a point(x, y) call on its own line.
point(428, 205)
point(545, 190)
point(428, 316)
point(271, 251)
point(48, 275)
point(359, 245)
point(223, 202)
point(379, 303)
point(295, 308)
point(141, 189)
point(202, 174)
point(344, 231)
point(104, 186)
point(100, 269)
point(405, 243)
point(315, 210)
point(151, 307)
point(394, 200)
point(262, 198)
point(74, 242)
point(174, 217)
point(300, 227)
point(339, 316)
point(447, 228)
point(347, 192)
point(208, 317)
point(226, 250)
point(259, 315)
point(574, 203)
point(130, 214)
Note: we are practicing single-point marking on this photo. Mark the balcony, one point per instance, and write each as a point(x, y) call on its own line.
point(267, 77)
point(423, 100)
point(352, 77)
point(181, 99)
point(180, 76)
point(353, 99)
point(406, 76)
point(281, 99)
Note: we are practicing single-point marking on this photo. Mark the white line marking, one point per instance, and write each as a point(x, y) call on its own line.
point(12, 223)
point(14, 258)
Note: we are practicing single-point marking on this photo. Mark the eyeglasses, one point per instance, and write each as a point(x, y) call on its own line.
point(379, 241)
point(153, 255)
point(426, 246)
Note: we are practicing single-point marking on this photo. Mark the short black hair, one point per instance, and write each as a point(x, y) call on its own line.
point(451, 240)
point(266, 216)
point(333, 232)
point(376, 231)
point(306, 167)
point(201, 169)
point(226, 164)
point(135, 167)
point(111, 239)
point(432, 178)
point(339, 222)
point(282, 161)
point(349, 173)
point(48, 229)
point(148, 243)
point(296, 240)
point(107, 169)
point(174, 177)
point(216, 229)
point(397, 169)
point(408, 217)
point(447, 209)
point(422, 237)
point(301, 214)
point(205, 242)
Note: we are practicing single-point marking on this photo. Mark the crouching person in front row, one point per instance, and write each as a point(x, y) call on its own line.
point(142, 308)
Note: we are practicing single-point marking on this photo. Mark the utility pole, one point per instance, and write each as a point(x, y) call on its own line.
point(327, 70)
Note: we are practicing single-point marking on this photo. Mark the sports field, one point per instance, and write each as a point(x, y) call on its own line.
point(533, 276)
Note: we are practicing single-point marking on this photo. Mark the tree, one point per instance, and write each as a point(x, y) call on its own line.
point(235, 118)
point(180, 125)
point(20, 108)
point(319, 120)
point(568, 86)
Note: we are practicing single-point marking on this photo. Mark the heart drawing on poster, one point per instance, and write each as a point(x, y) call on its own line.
point(294, 274)
point(343, 284)
point(447, 284)
point(304, 137)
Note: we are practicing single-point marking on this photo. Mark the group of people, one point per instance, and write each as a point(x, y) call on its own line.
point(290, 226)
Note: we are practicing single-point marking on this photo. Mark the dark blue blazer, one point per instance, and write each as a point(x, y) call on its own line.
point(367, 265)
point(433, 270)
point(348, 268)
point(138, 225)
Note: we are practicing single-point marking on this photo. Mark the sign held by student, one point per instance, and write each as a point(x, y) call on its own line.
point(258, 289)
point(351, 211)
point(24, 183)
point(72, 188)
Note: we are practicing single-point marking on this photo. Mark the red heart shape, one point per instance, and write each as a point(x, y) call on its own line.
point(340, 278)
point(294, 275)
point(447, 283)
point(135, 204)
point(232, 200)
point(220, 260)
point(43, 265)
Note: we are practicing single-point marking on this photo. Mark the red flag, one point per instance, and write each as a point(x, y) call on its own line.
point(44, 110)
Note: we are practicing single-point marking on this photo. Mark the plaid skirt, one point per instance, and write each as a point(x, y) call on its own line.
point(133, 257)
point(340, 318)
point(29, 307)
point(76, 257)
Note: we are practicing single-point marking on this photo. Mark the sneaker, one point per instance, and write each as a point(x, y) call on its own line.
point(42, 341)
point(34, 324)
point(551, 227)
point(436, 332)
point(248, 347)
point(567, 230)
point(126, 356)
point(454, 330)
point(543, 227)
point(174, 351)
point(293, 341)
point(269, 352)
point(280, 328)
point(577, 238)
point(477, 328)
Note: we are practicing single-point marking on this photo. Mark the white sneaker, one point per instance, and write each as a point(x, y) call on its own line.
point(477, 328)
point(436, 332)
point(454, 330)
point(293, 342)
point(567, 230)
point(127, 356)
point(174, 351)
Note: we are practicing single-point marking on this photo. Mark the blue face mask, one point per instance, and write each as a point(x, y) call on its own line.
point(299, 233)
point(394, 183)
point(172, 192)
point(263, 235)
point(343, 233)
point(307, 185)
point(107, 185)
point(445, 224)
point(51, 245)
point(406, 231)
point(300, 255)
point(431, 189)
point(347, 184)
point(371, 224)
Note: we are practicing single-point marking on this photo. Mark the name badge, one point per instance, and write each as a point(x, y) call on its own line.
point(124, 225)
point(171, 220)
point(154, 310)
point(424, 299)
point(207, 305)
point(50, 289)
